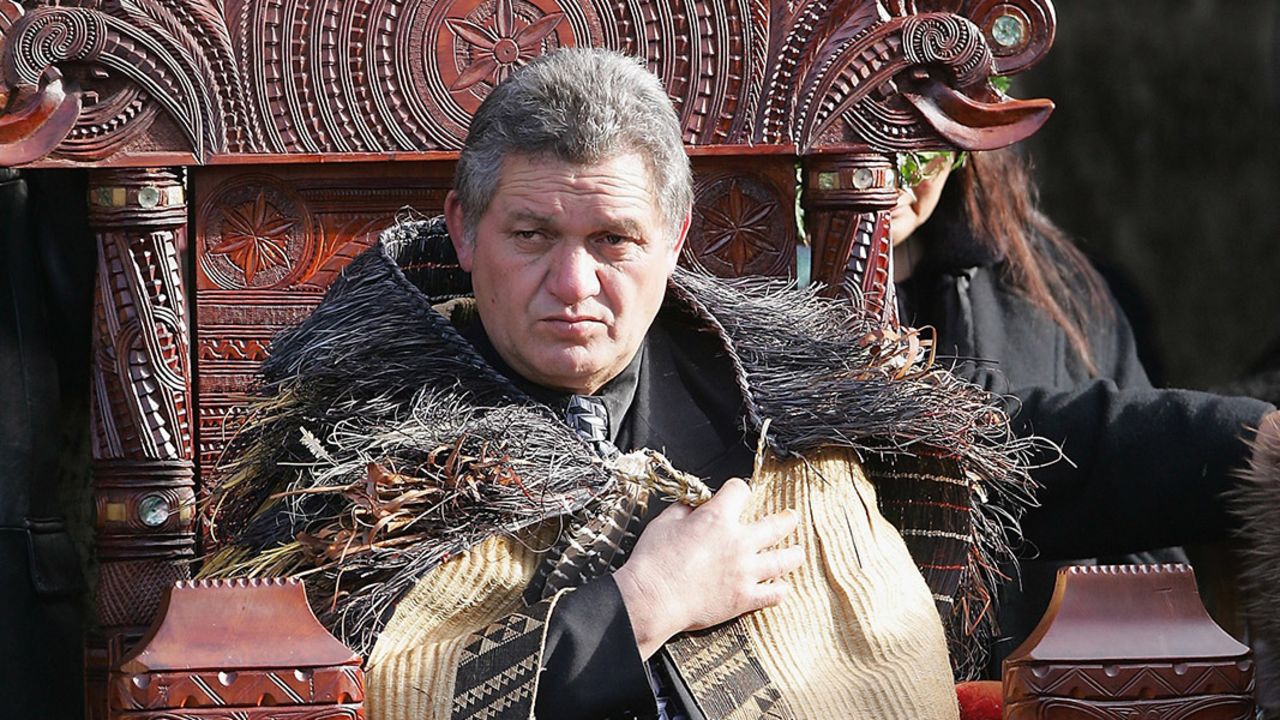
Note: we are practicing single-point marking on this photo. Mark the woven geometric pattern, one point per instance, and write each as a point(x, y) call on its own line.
point(498, 667)
point(725, 676)
point(859, 633)
point(928, 501)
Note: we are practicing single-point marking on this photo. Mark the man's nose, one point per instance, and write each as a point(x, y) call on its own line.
point(572, 277)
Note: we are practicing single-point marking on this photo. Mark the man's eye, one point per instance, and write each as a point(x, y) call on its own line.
point(528, 234)
point(614, 239)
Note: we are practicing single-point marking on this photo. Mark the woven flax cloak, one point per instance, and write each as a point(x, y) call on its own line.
point(382, 446)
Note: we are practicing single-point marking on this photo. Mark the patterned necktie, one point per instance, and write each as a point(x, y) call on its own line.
point(589, 418)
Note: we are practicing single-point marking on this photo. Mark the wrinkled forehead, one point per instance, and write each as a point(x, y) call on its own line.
point(542, 186)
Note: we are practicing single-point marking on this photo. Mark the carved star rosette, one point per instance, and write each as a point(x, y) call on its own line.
point(740, 226)
point(471, 46)
point(255, 234)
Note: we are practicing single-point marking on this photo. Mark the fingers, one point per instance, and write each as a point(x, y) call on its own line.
point(674, 511)
point(769, 594)
point(774, 564)
point(771, 529)
point(730, 500)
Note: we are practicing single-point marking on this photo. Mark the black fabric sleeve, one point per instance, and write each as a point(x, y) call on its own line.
point(591, 665)
point(1148, 468)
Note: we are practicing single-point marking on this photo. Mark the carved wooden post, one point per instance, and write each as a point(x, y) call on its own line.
point(847, 198)
point(142, 442)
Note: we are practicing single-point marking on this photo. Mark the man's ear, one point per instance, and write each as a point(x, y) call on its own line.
point(680, 238)
point(453, 217)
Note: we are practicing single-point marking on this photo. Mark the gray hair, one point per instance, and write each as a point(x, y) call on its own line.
point(581, 106)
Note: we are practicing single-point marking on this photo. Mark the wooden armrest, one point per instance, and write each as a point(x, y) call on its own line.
point(1128, 641)
point(252, 646)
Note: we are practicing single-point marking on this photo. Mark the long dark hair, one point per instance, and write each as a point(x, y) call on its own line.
point(1000, 203)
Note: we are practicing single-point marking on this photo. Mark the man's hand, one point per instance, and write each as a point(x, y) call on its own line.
point(692, 569)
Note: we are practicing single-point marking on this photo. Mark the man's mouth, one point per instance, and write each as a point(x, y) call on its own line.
point(573, 324)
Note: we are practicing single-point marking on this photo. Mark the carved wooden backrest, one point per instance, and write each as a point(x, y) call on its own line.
point(286, 132)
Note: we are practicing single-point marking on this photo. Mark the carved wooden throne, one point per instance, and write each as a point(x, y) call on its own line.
point(261, 143)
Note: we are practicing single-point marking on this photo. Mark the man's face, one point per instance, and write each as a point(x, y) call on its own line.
point(569, 266)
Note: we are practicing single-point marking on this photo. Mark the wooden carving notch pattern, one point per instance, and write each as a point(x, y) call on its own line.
point(849, 197)
point(870, 62)
point(233, 349)
point(48, 36)
point(142, 378)
point(142, 368)
point(229, 688)
point(1217, 707)
point(837, 86)
point(1098, 681)
point(371, 76)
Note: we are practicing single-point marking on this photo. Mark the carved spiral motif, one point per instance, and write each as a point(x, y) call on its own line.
point(949, 40)
point(110, 123)
point(49, 38)
point(1035, 18)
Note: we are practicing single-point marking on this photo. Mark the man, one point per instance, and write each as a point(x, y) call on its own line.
point(447, 478)
point(570, 246)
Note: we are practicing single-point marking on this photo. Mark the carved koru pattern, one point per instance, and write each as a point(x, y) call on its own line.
point(321, 76)
point(249, 85)
point(141, 418)
point(141, 376)
point(1017, 31)
point(950, 43)
point(116, 117)
point(379, 75)
point(174, 52)
point(742, 225)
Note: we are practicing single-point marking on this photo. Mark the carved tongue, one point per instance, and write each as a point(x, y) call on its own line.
point(41, 122)
point(972, 125)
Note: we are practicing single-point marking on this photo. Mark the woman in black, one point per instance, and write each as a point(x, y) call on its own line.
point(1020, 311)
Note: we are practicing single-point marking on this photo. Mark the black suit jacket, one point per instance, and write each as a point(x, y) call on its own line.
point(687, 406)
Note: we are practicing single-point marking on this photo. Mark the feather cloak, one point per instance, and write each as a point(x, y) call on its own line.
point(379, 443)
